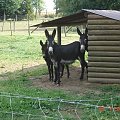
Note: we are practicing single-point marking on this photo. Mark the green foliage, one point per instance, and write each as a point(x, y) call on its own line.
point(38, 5)
point(71, 6)
point(25, 10)
point(9, 7)
point(22, 8)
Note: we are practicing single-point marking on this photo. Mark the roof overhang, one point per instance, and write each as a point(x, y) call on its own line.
point(79, 18)
point(73, 19)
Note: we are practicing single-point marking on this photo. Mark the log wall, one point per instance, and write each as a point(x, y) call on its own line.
point(104, 49)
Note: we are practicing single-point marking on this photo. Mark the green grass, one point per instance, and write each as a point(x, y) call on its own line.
point(20, 59)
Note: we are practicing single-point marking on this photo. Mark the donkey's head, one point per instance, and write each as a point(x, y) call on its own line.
point(50, 41)
point(43, 48)
point(83, 40)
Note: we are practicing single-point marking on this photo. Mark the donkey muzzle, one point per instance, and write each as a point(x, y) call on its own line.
point(82, 49)
point(50, 50)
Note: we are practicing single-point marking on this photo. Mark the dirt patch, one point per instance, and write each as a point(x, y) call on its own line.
point(69, 84)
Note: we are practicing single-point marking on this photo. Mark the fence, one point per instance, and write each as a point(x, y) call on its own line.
point(19, 107)
point(20, 24)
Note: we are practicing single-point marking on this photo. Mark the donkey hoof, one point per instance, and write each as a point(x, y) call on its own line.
point(51, 80)
point(81, 78)
point(68, 76)
point(54, 83)
point(58, 85)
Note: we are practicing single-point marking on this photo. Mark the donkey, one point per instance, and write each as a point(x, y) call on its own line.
point(47, 60)
point(50, 63)
point(84, 45)
point(83, 40)
point(66, 54)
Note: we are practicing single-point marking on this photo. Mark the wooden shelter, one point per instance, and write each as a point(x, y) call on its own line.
point(103, 41)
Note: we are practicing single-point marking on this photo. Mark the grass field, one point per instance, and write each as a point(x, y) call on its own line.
point(20, 58)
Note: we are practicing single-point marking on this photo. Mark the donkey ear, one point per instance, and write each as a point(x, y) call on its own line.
point(78, 31)
point(54, 33)
point(86, 31)
point(41, 43)
point(46, 33)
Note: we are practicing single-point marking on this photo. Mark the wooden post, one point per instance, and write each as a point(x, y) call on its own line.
point(59, 35)
point(3, 26)
point(11, 26)
point(28, 24)
point(14, 25)
point(65, 31)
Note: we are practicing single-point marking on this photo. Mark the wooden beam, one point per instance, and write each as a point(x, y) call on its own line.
point(104, 64)
point(104, 43)
point(104, 75)
point(104, 32)
point(59, 35)
point(104, 37)
point(103, 54)
point(104, 80)
point(104, 48)
point(93, 16)
point(103, 27)
point(103, 22)
point(103, 59)
point(103, 70)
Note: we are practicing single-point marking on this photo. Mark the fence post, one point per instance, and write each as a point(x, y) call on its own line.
point(65, 31)
point(11, 27)
point(28, 24)
point(14, 25)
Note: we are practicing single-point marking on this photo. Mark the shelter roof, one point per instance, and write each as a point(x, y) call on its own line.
point(79, 18)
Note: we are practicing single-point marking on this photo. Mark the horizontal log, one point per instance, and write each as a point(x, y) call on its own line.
point(104, 37)
point(103, 22)
point(104, 64)
point(103, 75)
point(103, 70)
point(104, 43)
point(103, 27)
point(104, 80)
point(93, 17)
point(104, 48)
point(104, 59)
point(103, 54)
point(104, 32)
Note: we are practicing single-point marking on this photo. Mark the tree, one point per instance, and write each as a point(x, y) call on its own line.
point(66, 7)
point(8, 7)
point(38, 5)
point(26, 8)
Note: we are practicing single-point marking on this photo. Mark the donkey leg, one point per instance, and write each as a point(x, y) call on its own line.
point(49, 70)
point(58, 73)
point(86, 65)
point(62, 69)
point(68, 73)
point(82, 72)
point(55, 80)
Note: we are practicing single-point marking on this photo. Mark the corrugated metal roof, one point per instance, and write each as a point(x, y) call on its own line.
point(113, 14)
point(79, 17)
